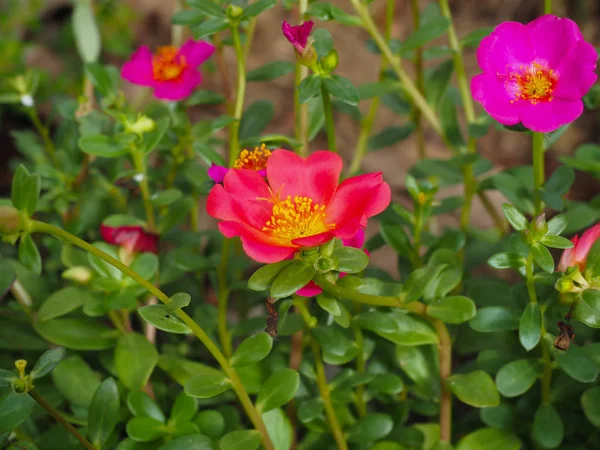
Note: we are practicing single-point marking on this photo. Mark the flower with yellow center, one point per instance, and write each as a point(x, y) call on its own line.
point(167, 63)
point(253, 160)
point(534, 83)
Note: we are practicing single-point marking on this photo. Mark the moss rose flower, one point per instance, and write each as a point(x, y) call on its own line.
point(535, 74)
point(300, 204)
point(577, 255)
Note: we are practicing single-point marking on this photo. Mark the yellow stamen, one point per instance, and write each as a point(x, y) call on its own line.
point(167, 63)
point(253, 160)
point(534, 83)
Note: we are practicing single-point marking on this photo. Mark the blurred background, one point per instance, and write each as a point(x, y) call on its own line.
point(37, 34)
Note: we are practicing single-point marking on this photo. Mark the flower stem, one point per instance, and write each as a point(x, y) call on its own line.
point(329, 124)
point(301, 110)
point(334, 424)
point(529, 279)
point(236, 384)
point(223, 295)
point(394, 61)
point(445, 349)
point(547, 6)
point(538, 171)
point(234, 129)
point(45, 134)
point(60, 419)
point(418, 63)
point(140, 166)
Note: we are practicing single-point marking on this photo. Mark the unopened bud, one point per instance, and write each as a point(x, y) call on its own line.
point(323, 264)
point(564, 285)
point(10, 221)
point(143, 124)
point(79, 274)
point(234, 11)
point(309, 56)
point(330, 61)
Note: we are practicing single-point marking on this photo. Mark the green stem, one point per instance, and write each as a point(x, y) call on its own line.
point(234, 129)
point(249, 37)
point(334, 424)
point(445, 350)
point(394, 61)
point(222, 297)
point(60, 419)
point(45, 134)
point(417, 238)
point(529, 281)
point(547, 6)
point(538, 171)
point(301, 110)
point(418, 63)
point(236, 384)
point(329, 124)
point(140, 166)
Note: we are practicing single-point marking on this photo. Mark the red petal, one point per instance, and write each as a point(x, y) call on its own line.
point(256, 244)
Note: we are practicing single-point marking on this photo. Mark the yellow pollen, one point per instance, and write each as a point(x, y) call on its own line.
point(295, 218)
point(534, 84)
point(167, 63)
point(253, 160)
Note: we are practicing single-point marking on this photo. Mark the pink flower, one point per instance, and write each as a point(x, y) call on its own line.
point(301, 204)
point(131, 237)
point(251, 160)
point(577, 255)
point(535, 73)
point(172, 72)
point(356, 241)
point(297, 35)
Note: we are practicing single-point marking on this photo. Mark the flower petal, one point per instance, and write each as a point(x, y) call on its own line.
point(355, 200)
point(576, 73)
point(196, 52)
point(509, 46)
point(310, 290)
point(553, 36)
point(567, 259)
point(316, 177)
point(217, 173)
point(545, 117)
point(179, 89)
point(254, 243)
point(490, 91)
point(132, 237)
point(138, 69)
point(585, 244)
point(355, 241)
point(314, 240)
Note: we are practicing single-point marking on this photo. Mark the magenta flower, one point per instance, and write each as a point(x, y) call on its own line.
point(297, 35)
point(132, 238)
point(171, 72)
point(577, 255)
point(535, 74)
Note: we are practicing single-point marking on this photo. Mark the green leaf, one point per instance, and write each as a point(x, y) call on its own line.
point(165, 198)
point(184, 408)
point(473, 39)
point(14, 410)
point(178, 301)
point(277, 390)
point(207, 385)
point(62, 302)
point(211, 26)
point(25, 190)
point(517, 220)
point(279, 428)
point(140, 404)
point(205, 97)
point(152, 139)
point(559, 182)
point(370, 428)
point(323, 42)
point(309, 88)
point(101, 145)
point(578, 365)
point(590, 402)
point(398, 327)
point(252, 350)
point(390, 135)
point(453, 309)
point(548, 428)
point(211, 423)
point(556, 241)
point(349, 259)
point(387, 383)
point(254, 9)
point(85, 31)
point(103, 415)
point(256, 118)
point(270, 71)
point(29, 254)
point(47, 362)
point(207, 7)
point(188, 442)
point(161, 318)
point(135, 359)
point(543, 257)
point(494, 318)
point(588, 308)
point(337, 349)
point(436, 82)
point(7, 377)
point(428, 31)
point(507, 260)
point(7, 276)
point(489, 439)
point(418, 281)
point(475, 389)
point(396, 238)
point(76, 381)
point(293, 277)
point(342, 88)
point(145, 429)
point(240, 440)
point(517, 377)
point(263, 278)
point(77, 334)
point(100, 78)
point(530, 326)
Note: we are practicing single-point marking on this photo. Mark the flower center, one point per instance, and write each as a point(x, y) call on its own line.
point(254, 160)
point(167, 64)
point(534, 83)
point(297, 218)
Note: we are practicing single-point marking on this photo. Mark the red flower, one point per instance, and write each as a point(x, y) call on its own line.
point(297, 35)
point(131, 237)
point(300, 204)
point(577, 255)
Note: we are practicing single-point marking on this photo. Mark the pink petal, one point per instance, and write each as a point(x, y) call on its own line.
point(576, 73)
point(315, 177)
point(314, 240)
point(544, 117)
point(585, 244)
point(179, 89)
point(217, 173)
point(357, 240)
point(567, 259)
point(310, 290)
point(142, 54)
point(508, 47)
point(138, 72)
point(553, 37)
point(196, 52)
point(255, 245)
point(489, 90)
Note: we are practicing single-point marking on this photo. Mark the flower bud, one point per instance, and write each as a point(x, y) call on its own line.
point(323, 264)
point(143, 124)
point(330, 61)
point(564, 285)
point(78, 274)
point(309, 56)
point(10, 221)
point(234, 11)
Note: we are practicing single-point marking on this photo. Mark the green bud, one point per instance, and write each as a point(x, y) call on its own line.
point(233, 11)
point(564, 285)
point(323, 264)
point(78, 274)
point(330, 61)
point(10, 220)
point(143, 124)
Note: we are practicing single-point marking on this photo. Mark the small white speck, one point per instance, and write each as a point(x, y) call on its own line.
point(138, 177)
point(27, 100)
